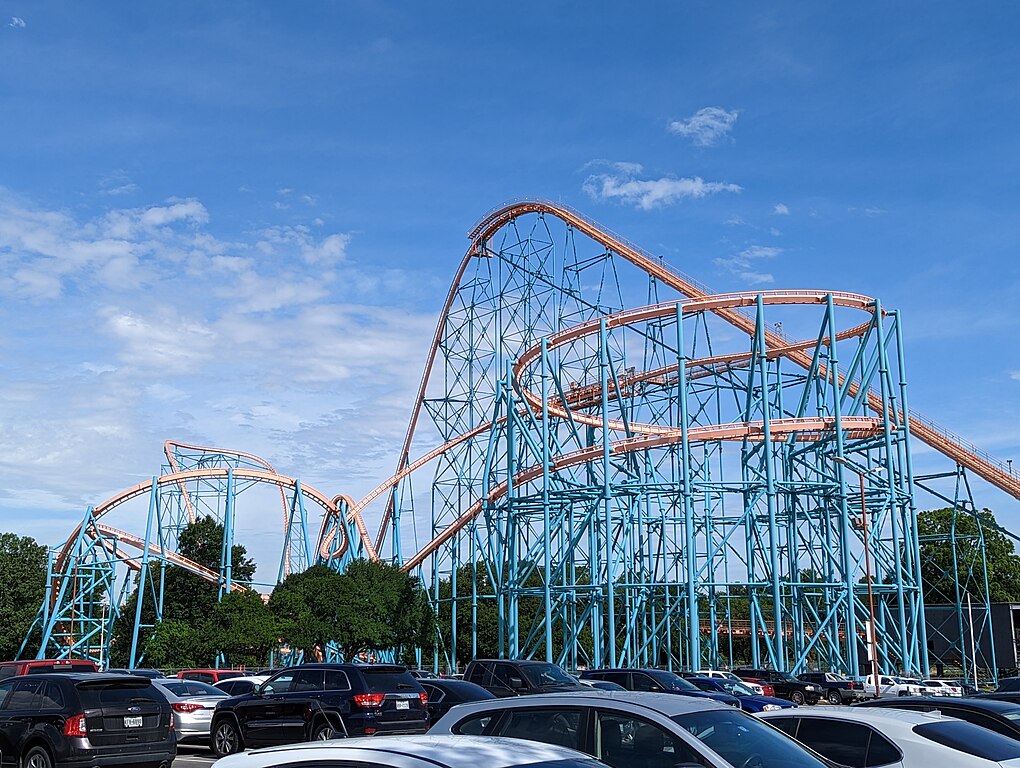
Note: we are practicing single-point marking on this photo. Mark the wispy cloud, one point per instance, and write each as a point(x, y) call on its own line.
point(706, 127)
point(17, 22)
point(744, 264)
point(1015, 375)
point(622, 183)
point(781, 209)
point(117, 183)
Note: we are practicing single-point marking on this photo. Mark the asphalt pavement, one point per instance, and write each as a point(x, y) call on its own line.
point(191, 757)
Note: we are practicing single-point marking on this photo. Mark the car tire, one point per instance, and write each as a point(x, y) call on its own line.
point(833, 697)
point(37, 757)
point(226, 738)
point(797, 698)
point(325, 731)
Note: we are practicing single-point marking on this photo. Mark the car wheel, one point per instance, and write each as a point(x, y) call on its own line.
point(226, 740)
point(37, 757)
point(797, 698)
point(324, 732)
point(834, 697)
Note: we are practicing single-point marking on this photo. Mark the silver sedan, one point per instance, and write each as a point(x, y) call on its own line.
point(192, 703)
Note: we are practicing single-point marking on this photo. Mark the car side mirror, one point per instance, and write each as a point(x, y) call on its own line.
point(516, 683)
point(655, 688)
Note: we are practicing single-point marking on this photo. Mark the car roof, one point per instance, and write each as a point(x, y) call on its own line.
point(972, 702)
point(664, 703)
point(877, 716)
point(74, 677)
point(448, 750)
point(246, 679)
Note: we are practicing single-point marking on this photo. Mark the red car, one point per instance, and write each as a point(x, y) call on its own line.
point(211, 676)
point(767, 690)
point(39, 666)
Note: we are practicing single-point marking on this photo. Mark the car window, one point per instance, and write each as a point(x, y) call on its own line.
point(205, 677)
point(744, 740)
point(623, 741)
point(1009, 684)
point(842, 742)
point(51, 697)
point(787, 725)
point(504, 675)
point(281, 683)
point(24, 696)
point(116, 694)
point(5, 692)
point(547, 675)
point(881, 751)
point(643, 682)
point(389, 680)
point(337, 680)
point(977, 718)
point(886, 681)
point(969, 738)
point(620, 678)
point(308, 680)
point(198, 688)
point(230, 686)
point(473, 726)
point(478, 674)
point(550, 726)
point(435, 695)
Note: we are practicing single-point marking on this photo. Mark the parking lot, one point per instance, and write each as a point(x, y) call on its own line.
point(193, 756)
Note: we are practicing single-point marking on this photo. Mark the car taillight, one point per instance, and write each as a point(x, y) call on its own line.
point(369, 699)
point(75, 726)
point(184, 706)
point(424, 698)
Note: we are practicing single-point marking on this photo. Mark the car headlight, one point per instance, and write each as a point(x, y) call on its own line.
point(810, 688)
point(770, 708)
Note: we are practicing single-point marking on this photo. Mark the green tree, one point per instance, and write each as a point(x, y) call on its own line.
point(243, 629)
point(940, 578)
point(22, 588)
point(177, 644)
point(187, 598)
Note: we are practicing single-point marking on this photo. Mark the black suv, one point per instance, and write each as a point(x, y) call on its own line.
point(79, 720)
point(784, 684)
point(657, 680)
point(320, 701)
point(518, 677)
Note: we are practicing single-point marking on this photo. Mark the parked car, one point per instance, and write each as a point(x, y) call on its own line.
point(856, 736)
point(422, 674)
point(945, 687)
point(417, 752)
point(77, 719)
point(785, 685)
point(889, 685)
point(211, 676)
point(603, 685)
point(657, 681)
point(756, 688)
point(519, 677)
point(444, 694)
point(320, 701)
point(38, 666)
point(193, 704)
point(925, 689)
point(749, 701)
point(235, 686)
point(837, 689)
point(152, 674)
point(999, 716)
point(627, 729)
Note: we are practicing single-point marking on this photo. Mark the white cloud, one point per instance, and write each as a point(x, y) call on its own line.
point(1015, 375)
point(707, 126)
point(781, 209)
point(743, 264)
point(17, 22)
point(622, 184)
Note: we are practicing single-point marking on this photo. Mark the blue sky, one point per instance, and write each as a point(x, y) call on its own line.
point(234, 223)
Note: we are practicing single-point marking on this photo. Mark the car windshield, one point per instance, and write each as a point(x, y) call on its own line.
point(786, 676)
point(673, 682)
point(744, 740)
point(546, 675)
point(735, 689)
point(733, 677)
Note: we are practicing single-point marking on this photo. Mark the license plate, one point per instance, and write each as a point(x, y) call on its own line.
point(403, 705)
point(133, 722)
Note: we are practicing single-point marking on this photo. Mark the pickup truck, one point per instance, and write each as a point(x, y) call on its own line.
point(837, 689)
point(894, 686)
point(786, 685)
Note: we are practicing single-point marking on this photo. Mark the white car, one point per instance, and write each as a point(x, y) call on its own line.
point(926, 689)
point(414, 752)
point(238, 686)
point(723, 674)
point(945, 687)
point(896, 738)
point(889, 685)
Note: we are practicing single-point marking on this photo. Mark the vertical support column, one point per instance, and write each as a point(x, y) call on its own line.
point(607, 492)
point(687, 491)
point(143, 572)
point(227, 553)
point(547, 533)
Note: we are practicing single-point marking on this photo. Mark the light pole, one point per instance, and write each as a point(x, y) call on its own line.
point(862, 524)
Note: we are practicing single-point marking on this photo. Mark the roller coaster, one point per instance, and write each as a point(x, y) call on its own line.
point(623, 466)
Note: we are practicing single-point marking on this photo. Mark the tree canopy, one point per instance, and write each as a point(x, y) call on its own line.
point(941, 578)
point(22, 587)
